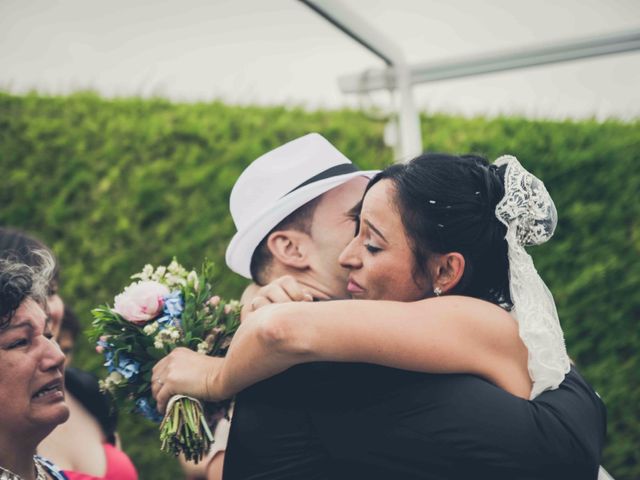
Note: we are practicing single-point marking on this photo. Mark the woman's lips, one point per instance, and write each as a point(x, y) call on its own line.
point(353, 287)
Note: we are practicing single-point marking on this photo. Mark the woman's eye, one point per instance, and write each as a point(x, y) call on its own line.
point(372, 249)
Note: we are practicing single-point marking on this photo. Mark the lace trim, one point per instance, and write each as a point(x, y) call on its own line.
point(530, 216)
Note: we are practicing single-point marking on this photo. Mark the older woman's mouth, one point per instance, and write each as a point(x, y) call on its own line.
point(53, 390)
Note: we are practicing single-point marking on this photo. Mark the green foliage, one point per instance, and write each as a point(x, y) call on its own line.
point(113, 184)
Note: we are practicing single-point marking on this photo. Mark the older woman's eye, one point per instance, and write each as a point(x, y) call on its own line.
point(17, 343)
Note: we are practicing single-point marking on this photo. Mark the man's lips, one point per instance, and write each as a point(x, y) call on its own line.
point(353, 287)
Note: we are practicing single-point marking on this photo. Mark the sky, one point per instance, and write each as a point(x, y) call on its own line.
point(280, 52)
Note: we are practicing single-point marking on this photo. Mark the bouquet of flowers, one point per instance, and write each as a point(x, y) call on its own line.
point(164, 308)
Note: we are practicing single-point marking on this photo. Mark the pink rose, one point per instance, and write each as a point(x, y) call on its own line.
point(140, 302)
point(214, 301)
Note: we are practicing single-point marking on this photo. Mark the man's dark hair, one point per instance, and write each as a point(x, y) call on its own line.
point(300, 220)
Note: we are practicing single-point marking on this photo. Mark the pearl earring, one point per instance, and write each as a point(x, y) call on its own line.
point(437, 291)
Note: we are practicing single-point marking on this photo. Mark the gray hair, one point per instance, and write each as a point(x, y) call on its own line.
point(19, 281)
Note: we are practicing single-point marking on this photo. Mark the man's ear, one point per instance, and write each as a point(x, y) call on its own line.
point(448, 271)
point(290, 248)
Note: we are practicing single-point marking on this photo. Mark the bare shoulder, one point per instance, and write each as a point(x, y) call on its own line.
point(473, 314)
point(466, 306)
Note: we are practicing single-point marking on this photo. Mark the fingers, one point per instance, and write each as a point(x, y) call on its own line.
point(164, 394)
point(284, 289)
point(157, 384)
point(162, 387)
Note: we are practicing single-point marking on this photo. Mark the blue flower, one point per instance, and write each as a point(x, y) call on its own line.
point(173, 304)
point(106, 349)
point(172, 310)
point(143, 406)
point(166, 321)
point(125, 366)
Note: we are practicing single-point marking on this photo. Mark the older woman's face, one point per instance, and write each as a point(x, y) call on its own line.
point(31, 374)
point(380, 257)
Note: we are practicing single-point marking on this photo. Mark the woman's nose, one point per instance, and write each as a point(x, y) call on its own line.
point(52, 357)
point(349, 258)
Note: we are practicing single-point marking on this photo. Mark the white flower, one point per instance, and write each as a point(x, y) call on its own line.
point(145, 274)
point(110, 383)
point(115, 378)
point(151, 328)
point(203, 347)
point(168, 336)
point(159, 273)
point(176, 269)
point(192, 279)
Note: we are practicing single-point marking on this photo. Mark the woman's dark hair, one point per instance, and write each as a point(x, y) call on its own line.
point(70, 323)
point(447, 204)
point(22, 247)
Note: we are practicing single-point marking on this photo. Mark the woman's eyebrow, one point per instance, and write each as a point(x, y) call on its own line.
point(378, 232)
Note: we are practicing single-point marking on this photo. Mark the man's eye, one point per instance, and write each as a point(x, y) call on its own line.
point(356, 219)
point(372, 249)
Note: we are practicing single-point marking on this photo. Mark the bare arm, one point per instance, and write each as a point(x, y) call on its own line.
point(443, 335)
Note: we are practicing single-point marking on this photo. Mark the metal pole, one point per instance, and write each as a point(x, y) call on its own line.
point(381, 46)
point(497, 62)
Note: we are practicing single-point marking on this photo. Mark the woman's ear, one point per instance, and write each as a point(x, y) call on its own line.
point(290, 248)
point(448, 271)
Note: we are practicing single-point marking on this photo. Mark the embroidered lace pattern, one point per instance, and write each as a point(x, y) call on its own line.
point(530, 216)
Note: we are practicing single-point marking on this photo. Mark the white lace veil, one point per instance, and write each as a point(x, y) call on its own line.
point(530, 216)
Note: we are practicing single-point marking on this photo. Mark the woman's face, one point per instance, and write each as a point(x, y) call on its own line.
point(31, 374)
point(379, 257)
point(55, 308)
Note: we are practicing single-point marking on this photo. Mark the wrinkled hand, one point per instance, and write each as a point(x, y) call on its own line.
point(282, 290)
point(185, 372)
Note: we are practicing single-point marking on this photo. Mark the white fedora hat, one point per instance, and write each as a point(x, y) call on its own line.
point(278, 183)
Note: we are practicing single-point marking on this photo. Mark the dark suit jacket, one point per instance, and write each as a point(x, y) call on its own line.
point(351, 421)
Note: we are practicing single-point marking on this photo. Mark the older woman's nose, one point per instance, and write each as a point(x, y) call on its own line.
point(52, 357)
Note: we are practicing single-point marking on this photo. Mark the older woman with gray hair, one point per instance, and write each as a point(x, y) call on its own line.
point(31, 371)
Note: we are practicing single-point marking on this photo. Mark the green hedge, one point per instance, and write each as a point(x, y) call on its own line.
point(113, 184)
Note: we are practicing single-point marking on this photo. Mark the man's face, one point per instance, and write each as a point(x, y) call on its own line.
point(332, 229)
